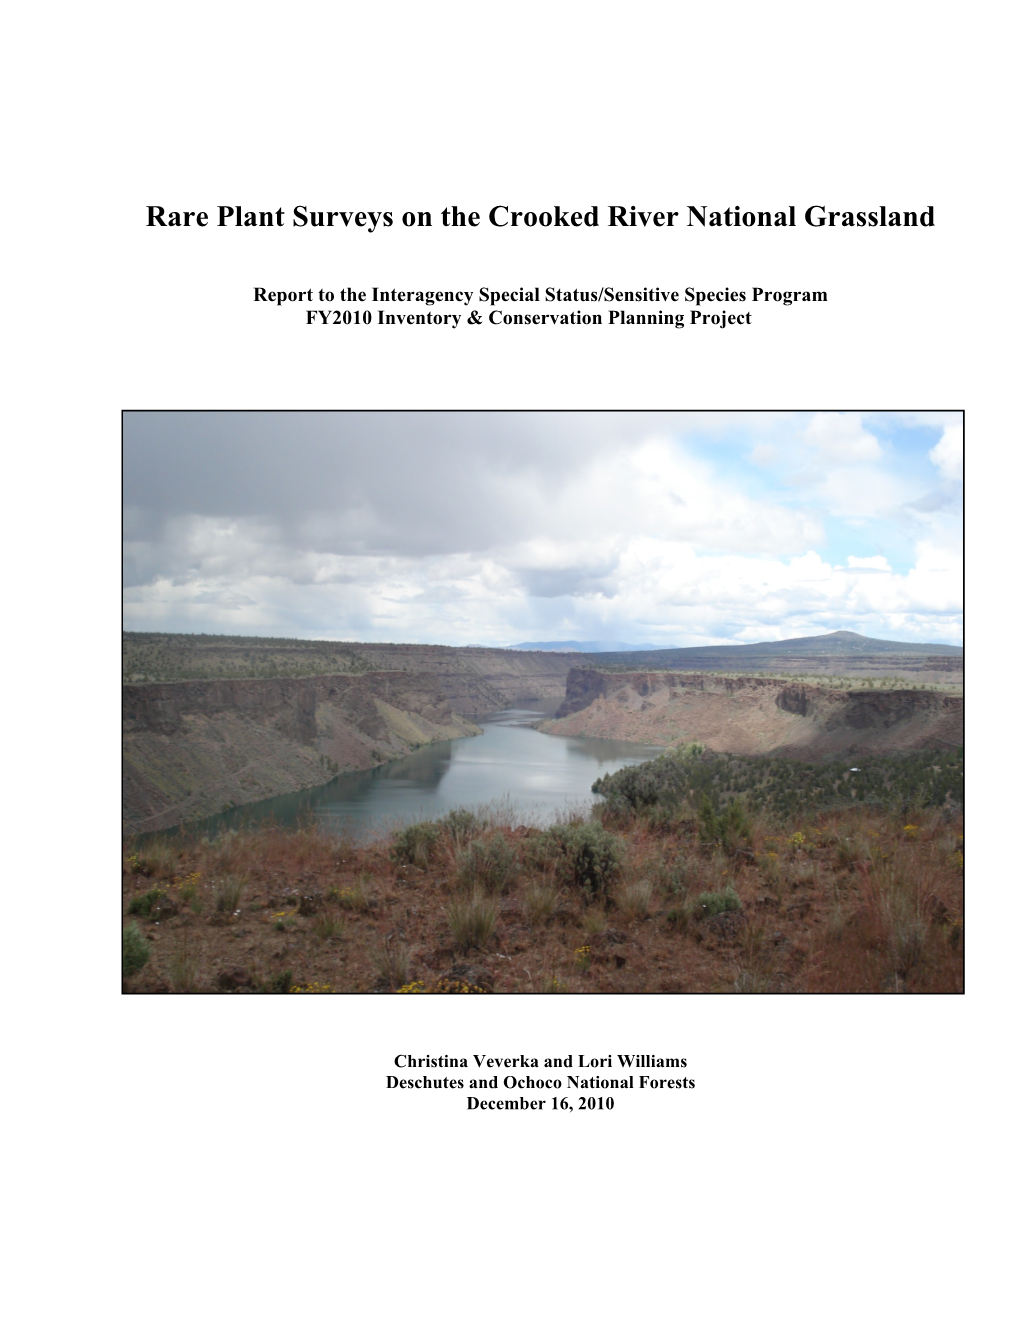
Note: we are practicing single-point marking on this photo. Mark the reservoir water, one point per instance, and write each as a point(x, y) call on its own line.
point(539, 773)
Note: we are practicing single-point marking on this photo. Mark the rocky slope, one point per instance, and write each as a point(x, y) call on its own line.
point(756, 715)
point(195, 748)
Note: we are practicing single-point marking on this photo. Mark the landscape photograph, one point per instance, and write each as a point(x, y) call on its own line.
point(542, 703)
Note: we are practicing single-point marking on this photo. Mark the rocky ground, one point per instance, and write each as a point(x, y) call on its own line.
point(855, 901)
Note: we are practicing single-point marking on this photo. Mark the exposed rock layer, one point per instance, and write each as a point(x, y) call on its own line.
point(756, 715)
point(474, 679)
point(477, 680)
point(192, 749)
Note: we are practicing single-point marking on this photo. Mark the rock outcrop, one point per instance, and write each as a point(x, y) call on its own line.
point(753, 715)
point(192, 749)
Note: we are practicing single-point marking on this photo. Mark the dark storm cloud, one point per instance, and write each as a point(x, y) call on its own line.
point(364, 483)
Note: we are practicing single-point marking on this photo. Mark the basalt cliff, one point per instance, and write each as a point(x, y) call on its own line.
point(751, 715)
point(195, 748)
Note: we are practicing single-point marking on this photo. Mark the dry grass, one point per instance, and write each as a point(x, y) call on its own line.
point(472, 920)
point(594, 920)
point(540, 902)
point(183, 964)
point(392, 962)
point(228, 890)
point(847, 902)
point(328, 926)
point(353, 895)
point(633, 899)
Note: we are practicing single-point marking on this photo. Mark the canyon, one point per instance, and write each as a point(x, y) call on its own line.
point(197, 746)
point(212, 722)
point(192, 749)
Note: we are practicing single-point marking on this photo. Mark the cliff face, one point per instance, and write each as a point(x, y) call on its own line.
point(756, 715)
point(477, 680)
point(474, 679)
point(192, 749)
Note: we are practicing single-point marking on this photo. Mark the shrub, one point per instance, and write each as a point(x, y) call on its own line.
point(135, 951)
point(417, 845)
point(675, 876)
point(472, 920)
point(728, 828)
point(711, 903)
point(142, 905)
point(490, 864)
point(460, 825)
point(590, 853)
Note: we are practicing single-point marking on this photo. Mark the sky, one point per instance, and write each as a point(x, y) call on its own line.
point(474, 528)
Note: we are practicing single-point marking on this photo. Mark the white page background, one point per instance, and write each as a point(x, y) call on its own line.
point(241, 1156)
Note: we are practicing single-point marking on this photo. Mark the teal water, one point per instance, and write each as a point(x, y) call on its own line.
point(539, 773)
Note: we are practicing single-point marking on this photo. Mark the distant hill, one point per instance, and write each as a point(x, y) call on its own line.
point(586, 647)
point(842, 652)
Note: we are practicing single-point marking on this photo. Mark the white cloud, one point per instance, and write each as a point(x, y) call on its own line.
point(461, 534)
point(870, 564)
point(764, 455)
point(840, 438)
point(948, 453)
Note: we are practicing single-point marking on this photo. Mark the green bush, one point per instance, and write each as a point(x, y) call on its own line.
point(490, 864)
point(142, 904)
point(681, 916)
point(460, 825)
point(714, 901)
point(590, 854)
point(135, 951)
point(417, 845)
point(663, 789)
point(729, 828)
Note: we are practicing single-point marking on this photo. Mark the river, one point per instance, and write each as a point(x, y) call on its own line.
point(539, 773)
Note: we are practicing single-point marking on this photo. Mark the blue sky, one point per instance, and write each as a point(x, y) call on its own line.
point(494, 528)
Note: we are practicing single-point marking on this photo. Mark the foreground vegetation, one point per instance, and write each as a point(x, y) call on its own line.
point(670, 786)
point(687, 888)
